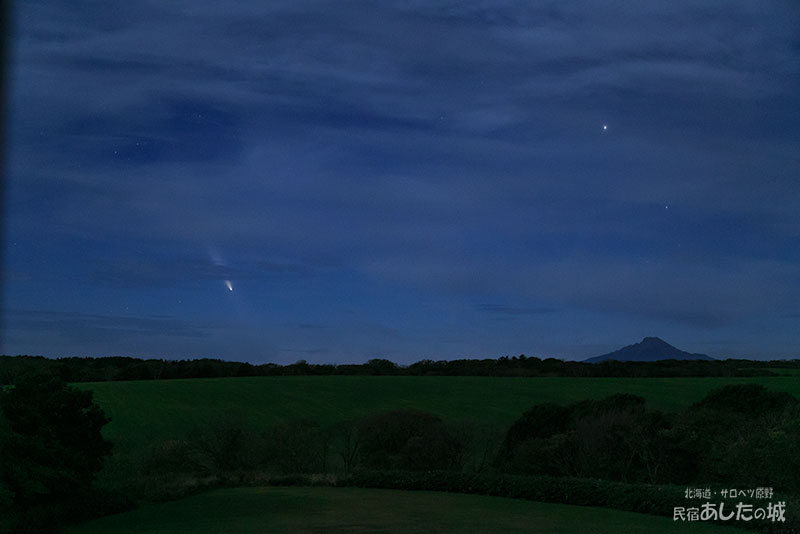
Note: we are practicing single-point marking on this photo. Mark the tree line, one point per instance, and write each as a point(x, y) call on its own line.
point(84, 369)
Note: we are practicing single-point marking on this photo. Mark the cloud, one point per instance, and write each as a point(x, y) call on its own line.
point(420, 88)
point(310, 352)
point(676, 292)
point(514, 311)
point(59, 333)
point(156, 271)
point(74, 326)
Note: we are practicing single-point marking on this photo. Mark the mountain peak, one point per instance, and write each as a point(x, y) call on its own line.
point(654, 341)
point(650, 349)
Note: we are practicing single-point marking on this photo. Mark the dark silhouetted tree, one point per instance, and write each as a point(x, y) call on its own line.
point(409, 440)
point(51, 446)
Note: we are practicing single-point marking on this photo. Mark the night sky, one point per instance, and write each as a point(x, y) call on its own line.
point(403, 180)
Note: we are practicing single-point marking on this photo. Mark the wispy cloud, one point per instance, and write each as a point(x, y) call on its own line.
point(511, 310)
point(160, 272)
point(91, 327)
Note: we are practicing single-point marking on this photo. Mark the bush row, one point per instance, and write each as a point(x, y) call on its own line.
point(719, 440)
point(742, 434)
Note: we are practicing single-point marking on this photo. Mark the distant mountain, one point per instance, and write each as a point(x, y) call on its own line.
point(650, 349)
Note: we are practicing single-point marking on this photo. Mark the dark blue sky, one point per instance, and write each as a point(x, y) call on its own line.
point(404, 180)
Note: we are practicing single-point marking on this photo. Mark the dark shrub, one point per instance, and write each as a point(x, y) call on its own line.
point(743, 434)
point(751, 400)
point(298, 446)
point(540, 422)
point(553, 455)
point(409, 440)
point(480, 443)
point(613, 438)
point(222, 445)
point(346, 440)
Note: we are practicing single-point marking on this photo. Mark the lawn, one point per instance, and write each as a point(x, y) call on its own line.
point(340, 510)
point(144, 411)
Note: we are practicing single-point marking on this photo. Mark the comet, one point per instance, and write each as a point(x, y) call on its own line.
point(228, 285)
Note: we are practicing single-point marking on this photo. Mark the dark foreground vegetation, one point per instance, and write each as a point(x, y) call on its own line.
point(124, 368)
point(613, 452)
point(51, 447)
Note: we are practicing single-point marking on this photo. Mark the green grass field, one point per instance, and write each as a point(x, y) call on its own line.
point(143, 411)
point(340, 510)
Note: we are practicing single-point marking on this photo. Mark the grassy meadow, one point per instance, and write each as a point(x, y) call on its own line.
point(338, 510)
point(147, 412)
point(144, 411)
